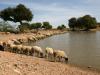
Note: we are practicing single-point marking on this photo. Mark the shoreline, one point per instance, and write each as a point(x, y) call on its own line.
point(50, 33)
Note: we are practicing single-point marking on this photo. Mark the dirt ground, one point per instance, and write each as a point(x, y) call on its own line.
point(17, 64)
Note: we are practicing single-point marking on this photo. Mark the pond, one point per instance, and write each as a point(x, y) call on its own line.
point(82, 48)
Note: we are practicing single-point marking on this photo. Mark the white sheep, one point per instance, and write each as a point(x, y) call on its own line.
point(16, 41)
point(30, 39)
point(27, 50)
point(1, 46)
point(13, 48)
point(23, 39)
point(37, 51)
point(35, 39)
point(49, 53)
point(60, 55)
point(19, 49)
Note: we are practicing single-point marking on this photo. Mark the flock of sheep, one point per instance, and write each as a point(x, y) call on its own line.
point(15, 46)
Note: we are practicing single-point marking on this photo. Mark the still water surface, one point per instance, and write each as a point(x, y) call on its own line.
point(82, 48)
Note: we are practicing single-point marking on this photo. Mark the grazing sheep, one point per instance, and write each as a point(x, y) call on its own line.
point(9, 42)
point(34, 38)
point(30, 39)
point(27, 50)
point(60, 55)
point(24, 51)
point(19, 49)
point(4, 44)
point(16, 41)
point(37, 51)
point(1, 46)
point(49, 53)
point(13, 48)
point(23, 39)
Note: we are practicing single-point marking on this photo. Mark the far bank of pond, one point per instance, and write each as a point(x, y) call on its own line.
point(82, 48)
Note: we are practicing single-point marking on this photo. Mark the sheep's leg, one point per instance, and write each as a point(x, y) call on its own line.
point(39, 54)
point(27, 52)
point(50, 57)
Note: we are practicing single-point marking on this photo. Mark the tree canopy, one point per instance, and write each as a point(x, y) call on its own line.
point(36, 25)
point(46, 25)
point(61, 27)
point(86, 22)
point(23, 27)
point(18, 14)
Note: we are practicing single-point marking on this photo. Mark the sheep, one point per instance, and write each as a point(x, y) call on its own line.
point(24, 50)
point(49, 53)
point(60, 55)
point(30, 39)
point(13, 48)
point(9, 42)
point(16, 41)
point(4, 44)
point(23, 39)
point(37, 51)
point(1, 46)
point(35, 39)
point(19, 49)
point(27, 50)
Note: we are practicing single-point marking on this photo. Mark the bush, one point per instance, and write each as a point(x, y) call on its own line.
point(61, 27)
point(24, 27)
point(46, 25)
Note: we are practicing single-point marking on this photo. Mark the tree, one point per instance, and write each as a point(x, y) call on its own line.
point(18, 14)
point(61, 27)
point(80, 23)
point(36, 25)
point(72, 23)
point(46, 25)
point(85, 23)
point(24, 27)
point(89, 22)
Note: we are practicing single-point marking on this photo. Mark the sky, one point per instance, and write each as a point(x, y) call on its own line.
point(57, 12)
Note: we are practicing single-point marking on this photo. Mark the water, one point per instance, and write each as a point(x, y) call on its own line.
point(82, 48)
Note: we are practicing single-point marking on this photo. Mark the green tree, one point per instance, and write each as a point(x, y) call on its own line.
point(24, 27)
point(61, 27)
point(46, 25)
point(36, 25)
point(80, 23)
point(72, 23)
point(89, 22)
point(85, 23)
point(18, 14)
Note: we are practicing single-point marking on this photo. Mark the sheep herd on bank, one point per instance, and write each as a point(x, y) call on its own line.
point(15, 46)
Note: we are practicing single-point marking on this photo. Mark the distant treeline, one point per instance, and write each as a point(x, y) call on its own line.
point(23, 15)
point(82, 23)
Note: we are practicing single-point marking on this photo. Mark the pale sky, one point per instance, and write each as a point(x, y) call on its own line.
point(57, 12)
